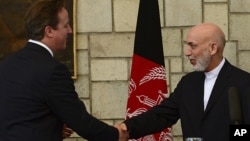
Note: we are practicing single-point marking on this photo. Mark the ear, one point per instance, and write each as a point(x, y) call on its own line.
point(213, 48)
point(48, 31)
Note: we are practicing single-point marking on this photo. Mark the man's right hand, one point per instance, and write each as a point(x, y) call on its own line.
point(123, 132)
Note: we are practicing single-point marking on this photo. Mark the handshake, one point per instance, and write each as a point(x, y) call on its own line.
point(123, 132)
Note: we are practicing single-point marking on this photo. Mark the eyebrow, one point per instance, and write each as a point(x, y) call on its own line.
point(192, 44)
point(189, 43)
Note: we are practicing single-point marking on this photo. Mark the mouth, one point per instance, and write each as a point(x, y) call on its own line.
point(192, 61)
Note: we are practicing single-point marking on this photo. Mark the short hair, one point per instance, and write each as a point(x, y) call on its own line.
point(40, 14)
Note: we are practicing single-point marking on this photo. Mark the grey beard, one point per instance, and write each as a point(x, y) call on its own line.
point(202, 63)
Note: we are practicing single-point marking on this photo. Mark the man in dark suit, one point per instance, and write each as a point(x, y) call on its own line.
point(37, 93)
point(200, 100)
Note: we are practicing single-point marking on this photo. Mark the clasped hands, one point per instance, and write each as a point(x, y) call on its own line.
point(123, 132)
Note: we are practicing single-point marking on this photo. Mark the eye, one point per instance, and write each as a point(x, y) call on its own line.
point(191, 44)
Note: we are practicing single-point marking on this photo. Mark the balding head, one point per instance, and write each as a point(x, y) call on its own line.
point(209, 31)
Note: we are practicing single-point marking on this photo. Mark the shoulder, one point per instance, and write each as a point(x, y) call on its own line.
point(234, 70)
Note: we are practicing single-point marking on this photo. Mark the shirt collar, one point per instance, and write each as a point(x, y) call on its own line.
point(42, 44)
point(214, 73)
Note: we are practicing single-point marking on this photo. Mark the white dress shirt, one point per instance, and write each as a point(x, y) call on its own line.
point(210, 80)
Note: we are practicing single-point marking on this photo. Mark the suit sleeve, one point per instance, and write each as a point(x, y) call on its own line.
point(66, 105)
point(156, 119)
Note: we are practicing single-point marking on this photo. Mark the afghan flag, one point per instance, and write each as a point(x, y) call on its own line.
point(148, 85)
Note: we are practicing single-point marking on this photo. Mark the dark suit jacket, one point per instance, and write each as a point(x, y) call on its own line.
point(37, 96)
point(186, 104)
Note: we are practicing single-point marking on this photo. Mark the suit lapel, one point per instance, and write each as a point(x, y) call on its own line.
point(194, 97)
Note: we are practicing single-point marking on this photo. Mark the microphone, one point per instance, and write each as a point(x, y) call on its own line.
point(234, 106)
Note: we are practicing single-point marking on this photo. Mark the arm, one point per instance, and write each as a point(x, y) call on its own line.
point(156, 119)
point(65, 104)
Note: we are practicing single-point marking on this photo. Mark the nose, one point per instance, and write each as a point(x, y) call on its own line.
point(187, 51)
point(69, 29)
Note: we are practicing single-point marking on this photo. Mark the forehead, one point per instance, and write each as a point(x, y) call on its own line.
point(191, 38)
point(196, 35)
point(63, 15)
